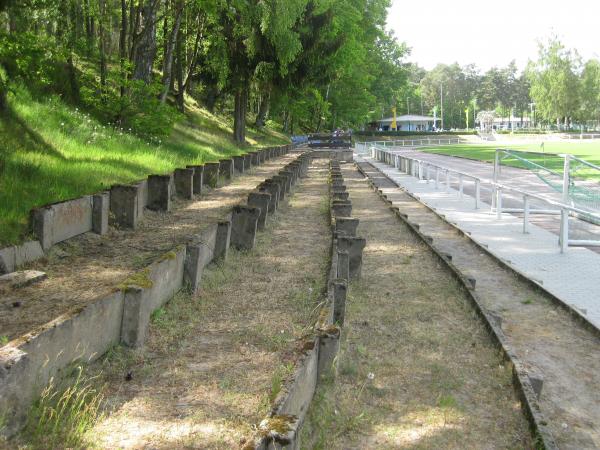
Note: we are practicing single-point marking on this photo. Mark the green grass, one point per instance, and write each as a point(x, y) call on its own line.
point(62, 415)
point(587, 150)
point(51, 152)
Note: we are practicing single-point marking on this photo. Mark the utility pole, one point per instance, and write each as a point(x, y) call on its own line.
point(442, 104)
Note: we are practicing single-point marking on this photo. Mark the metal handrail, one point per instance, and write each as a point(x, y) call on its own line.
point(497, 188)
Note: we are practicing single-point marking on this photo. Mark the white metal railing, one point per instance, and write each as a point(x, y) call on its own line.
point(582, 136)
point(362, 147)
point(422, 170)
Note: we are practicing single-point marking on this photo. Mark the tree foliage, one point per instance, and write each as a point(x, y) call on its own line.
point(312, 64)
point(555, 82)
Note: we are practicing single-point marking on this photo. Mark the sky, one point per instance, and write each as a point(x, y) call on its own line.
point(492, 33)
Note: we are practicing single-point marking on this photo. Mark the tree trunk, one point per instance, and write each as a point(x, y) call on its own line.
point(168, 62)
point(239, 122)
point(102, 32)
point(194, 58)
point(145, 47)
point(89, 36)
point(181, 84)
point(123, 46)
point(263, 109)
point(3, 91)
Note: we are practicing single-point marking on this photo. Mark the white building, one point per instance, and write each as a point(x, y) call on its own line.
point(508, 123)
point(408, 122)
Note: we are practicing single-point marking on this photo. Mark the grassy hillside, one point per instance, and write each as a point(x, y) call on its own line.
point(51, 152)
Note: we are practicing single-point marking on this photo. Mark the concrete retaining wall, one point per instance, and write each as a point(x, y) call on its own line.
point(200, 251)
point(28, 363)
point(147, 291)
point(15, 256)
point(61, 221)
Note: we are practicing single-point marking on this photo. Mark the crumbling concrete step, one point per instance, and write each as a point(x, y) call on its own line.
point(15, 280)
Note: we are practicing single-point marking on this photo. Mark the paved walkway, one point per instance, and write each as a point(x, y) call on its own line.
point(574, 277)
point(515, 177)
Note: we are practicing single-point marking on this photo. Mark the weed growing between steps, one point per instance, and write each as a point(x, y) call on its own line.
point(64, 413)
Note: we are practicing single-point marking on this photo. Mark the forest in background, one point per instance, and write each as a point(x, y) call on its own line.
point(307, 64)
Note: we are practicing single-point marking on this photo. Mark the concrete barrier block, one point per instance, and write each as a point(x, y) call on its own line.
point(184, 183)
point(199, 253)
point(262, 156)
point(142, 198)
point(260, 200)
point(287, 177)
point(15, 280)
point(100, 212)
point(343, 265)
point(124, 205)
point(198, 179)
point(244, 223)
point(282, 182)
point(223, 239)
point(27, 364)
point(341, 196)
point(329, 346)
point(239, 163)
point(296, 397)
point(346, 226)
point(226, 169)
point(341, 209)
point(15, 256)
point(211, 174)
point(354, 246)
point(247, 161)
point(60, 221)
point(7, 260)
point(159, 192)
point(272, 188)
point(291, 177)
point(340, 290)
point(147, 291)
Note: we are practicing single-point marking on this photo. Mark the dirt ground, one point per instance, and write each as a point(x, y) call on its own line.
point(88, 266)
point(548, 340)
point(213, 364)
point(416, 368)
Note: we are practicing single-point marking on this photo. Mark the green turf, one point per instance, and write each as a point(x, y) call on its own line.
point(51, 152)
point(587, 150)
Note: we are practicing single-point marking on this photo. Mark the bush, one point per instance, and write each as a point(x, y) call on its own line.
point(139, 110)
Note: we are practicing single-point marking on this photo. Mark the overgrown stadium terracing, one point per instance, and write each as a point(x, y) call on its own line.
point(173, 235)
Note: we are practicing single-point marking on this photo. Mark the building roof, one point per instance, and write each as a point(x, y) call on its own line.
point(408, 118)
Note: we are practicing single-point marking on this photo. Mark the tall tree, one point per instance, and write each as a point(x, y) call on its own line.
point(554, 82)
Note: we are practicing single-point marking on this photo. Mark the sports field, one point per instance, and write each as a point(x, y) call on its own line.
point(587, 150)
